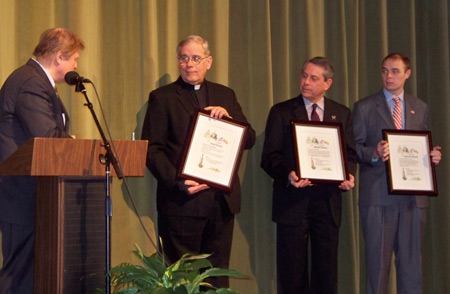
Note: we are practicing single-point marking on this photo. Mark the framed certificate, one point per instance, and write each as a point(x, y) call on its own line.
point(409, 168)
point(320, 151)
point(213, 151)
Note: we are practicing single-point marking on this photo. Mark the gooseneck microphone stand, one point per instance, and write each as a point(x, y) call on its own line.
point(106, 159)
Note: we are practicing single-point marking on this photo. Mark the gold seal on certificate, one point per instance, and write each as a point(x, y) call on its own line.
point(320, 151)
point(214, 150)
point(409, 168)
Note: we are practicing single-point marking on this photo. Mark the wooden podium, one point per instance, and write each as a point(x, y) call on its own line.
point(70, 241)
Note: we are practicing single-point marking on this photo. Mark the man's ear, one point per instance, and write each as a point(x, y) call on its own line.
point(328, 84)
point(209, 61)
point(59, 57)
point(408, 73)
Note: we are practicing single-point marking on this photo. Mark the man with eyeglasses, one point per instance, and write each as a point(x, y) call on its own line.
point(192, 217)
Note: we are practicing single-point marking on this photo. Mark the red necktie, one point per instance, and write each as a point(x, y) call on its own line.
point(397, 115)
point(314, 115)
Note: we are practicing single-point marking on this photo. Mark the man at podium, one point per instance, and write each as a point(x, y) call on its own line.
point(30, 107)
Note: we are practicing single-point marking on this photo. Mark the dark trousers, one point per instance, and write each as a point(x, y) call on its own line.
point(16, 274)
point(292, 253)
point(211, 234)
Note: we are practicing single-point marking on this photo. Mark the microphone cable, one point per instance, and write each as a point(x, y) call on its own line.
point(130, 196)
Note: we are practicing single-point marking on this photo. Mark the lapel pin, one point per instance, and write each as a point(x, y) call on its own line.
point(333, 117)
point(413, 112)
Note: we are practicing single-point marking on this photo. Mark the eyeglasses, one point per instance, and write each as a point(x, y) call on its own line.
point(184, 59)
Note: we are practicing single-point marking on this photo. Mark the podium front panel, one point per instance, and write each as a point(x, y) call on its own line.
point(70, 235)
point(84, 236)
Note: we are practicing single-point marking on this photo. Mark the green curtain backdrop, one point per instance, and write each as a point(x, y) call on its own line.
point(258, 48)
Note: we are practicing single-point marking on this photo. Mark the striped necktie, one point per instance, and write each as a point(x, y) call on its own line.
point(397, 114)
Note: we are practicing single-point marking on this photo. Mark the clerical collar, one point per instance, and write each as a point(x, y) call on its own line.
point(189, 86)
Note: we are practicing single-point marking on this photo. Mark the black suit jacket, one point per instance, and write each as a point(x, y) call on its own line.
point(278, 160)
point(29, 107)
point(166, 126)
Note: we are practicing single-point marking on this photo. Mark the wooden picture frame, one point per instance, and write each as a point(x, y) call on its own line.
point(213, 151)
point(320, 151)
point(410, 170)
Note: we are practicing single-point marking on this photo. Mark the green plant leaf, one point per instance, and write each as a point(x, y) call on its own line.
point(154, 263)
point(181, 290)
point(218, 272)
point(161, 290)
point(185, 276)
point(200, 264)
point(226, 291)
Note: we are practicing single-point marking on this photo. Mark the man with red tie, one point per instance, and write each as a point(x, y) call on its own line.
point(302, 210)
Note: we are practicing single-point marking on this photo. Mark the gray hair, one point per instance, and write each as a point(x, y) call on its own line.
point(196, 39)
point(324, 63)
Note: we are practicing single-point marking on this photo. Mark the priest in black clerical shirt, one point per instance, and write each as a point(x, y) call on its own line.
point(192, 217)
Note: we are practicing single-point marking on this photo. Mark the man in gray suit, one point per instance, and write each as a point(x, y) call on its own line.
point(391, 223)
point(30, 107)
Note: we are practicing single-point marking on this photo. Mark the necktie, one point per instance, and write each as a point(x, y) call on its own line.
point(314, 115)
point(397, 114)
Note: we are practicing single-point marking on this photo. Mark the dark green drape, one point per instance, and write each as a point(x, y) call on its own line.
point(258, 48)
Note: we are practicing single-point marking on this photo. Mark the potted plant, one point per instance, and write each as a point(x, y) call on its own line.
point(185, 276)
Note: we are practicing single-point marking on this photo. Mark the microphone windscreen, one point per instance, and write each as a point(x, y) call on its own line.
point(72, 77)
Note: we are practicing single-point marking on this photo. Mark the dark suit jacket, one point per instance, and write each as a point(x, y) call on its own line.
point(370, 116)
point(166, 126)
point(278, 160)
point(29, 107)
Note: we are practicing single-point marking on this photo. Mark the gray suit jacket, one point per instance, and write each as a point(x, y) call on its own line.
point(29, 107)
point(370, 116)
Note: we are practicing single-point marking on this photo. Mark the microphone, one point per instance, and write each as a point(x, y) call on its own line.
point(73, 78)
